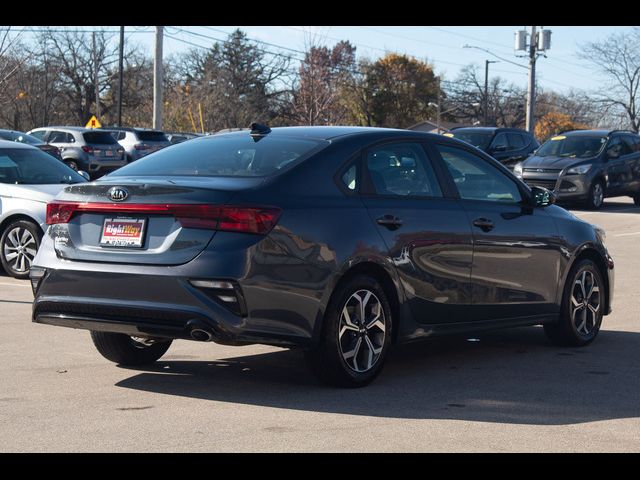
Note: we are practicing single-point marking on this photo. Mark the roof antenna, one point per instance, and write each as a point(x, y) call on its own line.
point(258, 130)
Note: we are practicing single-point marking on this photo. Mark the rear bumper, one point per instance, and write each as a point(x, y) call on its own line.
point(151, 305)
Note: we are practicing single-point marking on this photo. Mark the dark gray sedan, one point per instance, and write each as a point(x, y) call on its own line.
point(338, 240)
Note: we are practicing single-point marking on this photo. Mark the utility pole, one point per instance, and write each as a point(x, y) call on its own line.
point(531, 91)
point(95, 75)
point(157, 81)
point(486, 90)
point(120, 60)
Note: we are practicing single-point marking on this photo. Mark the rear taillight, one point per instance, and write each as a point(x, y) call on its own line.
point(87, 149)
point(141, 147)
point(258, 220)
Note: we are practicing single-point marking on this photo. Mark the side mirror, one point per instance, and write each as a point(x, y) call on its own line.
point(543, 197)
point(85, 175)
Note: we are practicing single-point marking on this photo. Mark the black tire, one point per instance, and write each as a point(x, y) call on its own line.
point(72, 164)
point(565, 332)
point(636, 200)
point(327, 358)
point(124, 350)
point(596, 195)
point(13, 265)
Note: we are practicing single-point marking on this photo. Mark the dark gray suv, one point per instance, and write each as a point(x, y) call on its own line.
point(586, 166)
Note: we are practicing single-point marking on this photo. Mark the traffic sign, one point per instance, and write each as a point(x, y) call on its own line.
point(93, 123)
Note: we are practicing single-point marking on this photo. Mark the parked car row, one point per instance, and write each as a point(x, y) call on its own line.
point(579, 166)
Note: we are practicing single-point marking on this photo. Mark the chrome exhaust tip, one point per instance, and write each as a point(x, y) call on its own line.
point(201, 335)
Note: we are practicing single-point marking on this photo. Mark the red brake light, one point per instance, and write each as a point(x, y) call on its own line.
point(258, 220)
point(87, 149)
point(141, 147)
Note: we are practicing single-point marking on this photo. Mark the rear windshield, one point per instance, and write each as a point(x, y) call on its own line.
point(229, 156)
point(34, 167)
point(99, 137)
point(575, 146)
point(152, 137)
point(20, 137)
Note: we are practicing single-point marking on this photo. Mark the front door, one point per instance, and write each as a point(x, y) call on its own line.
point(517, 251)
point(427, 234)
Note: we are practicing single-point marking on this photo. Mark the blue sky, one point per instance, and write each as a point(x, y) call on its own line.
point(442, 46)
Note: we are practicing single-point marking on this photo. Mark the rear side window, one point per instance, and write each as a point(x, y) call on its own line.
point(99, 137)
point(402, 169)
point(349, 178)
point(516, 142)
point(152, 137)
point(60, 137)
point(236, 155)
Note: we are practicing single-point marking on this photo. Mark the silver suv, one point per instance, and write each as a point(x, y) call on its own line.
point(138, 142)
point(94, 151)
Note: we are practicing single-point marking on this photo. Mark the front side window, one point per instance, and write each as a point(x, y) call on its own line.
point(500, 142)
point(34, 167)
point(39, 134)
point(402, 169)
point(476, 179)
point(230, 155)
point(516, 141)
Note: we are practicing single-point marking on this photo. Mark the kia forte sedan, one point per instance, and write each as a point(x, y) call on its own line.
point(338, 240)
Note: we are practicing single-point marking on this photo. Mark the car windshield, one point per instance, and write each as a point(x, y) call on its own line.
point(477, 139)
point(230, 156)
point(30, 166)
point(99, 137)
point(574, 146)
point(20, 137)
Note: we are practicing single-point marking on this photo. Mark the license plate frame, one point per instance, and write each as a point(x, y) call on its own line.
point(125, 232)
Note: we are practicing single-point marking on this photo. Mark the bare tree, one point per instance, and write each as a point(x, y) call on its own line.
point(618, 59)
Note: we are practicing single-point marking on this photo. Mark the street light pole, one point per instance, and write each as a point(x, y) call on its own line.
point(157, 81)
point(120, 60)
point(531, 91)
point(486, 90)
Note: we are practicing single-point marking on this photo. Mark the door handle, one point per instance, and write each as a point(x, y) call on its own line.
point(484, 224)
point(390, 221)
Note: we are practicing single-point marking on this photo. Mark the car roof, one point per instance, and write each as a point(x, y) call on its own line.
point(73, 129)
point(131, 129)
point(490, 129)
point(326, 132)
point(12, 144)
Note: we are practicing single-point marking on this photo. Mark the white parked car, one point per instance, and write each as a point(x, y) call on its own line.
point(29, 178)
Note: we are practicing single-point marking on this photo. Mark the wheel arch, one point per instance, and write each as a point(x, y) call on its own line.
point(18, 216)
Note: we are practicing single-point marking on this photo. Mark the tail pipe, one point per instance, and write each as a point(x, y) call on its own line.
point(199, 331)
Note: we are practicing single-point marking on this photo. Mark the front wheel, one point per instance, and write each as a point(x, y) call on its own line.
point(72, 164)
point(582, 307)
point(18, 247)
point(356, 335)
point(596, 196)
point(129, 351)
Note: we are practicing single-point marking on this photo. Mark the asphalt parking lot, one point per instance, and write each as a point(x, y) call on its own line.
point(505, 391)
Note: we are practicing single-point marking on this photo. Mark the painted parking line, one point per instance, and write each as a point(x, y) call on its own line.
point(626, 234)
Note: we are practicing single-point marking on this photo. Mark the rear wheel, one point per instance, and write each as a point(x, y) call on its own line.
point(356, 335)
point(596, 195)
point(636, 200)
point(582, 307)
point(18, 247)
point(129, 351)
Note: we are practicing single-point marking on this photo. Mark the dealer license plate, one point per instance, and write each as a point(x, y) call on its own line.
point(123, 232)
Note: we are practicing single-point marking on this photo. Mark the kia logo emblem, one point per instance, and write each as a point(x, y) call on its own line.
point(118, 194)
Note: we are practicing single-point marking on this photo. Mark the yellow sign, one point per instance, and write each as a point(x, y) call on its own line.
point(93, 123)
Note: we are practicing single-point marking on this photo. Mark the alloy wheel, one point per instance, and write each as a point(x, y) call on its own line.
point(19, 249)
point(362, 331)
point(585, 303)
point(597, 195)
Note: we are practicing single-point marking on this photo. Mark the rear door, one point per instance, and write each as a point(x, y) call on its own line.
point(618, 169)
point(426, 232)
point(516, 248)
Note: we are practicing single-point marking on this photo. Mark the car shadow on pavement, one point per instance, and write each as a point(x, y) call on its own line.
point(512, 376)
point(611, 206)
